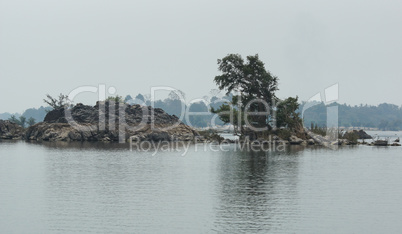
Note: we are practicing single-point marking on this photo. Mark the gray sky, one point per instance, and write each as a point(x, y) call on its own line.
point(56, 46)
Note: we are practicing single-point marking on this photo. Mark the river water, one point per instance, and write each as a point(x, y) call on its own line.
point(95, 187)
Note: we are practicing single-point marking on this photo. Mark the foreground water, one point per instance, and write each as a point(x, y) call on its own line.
point(92, 188)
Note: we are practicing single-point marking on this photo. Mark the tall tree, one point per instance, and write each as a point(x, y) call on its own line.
point(253, 86)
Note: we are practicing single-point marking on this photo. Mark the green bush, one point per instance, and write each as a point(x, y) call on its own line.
point(284, 133)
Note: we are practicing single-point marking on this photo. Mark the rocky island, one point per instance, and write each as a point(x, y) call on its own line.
point(110, 121)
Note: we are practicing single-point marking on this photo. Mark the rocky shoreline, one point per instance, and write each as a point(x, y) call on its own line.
point(106, 121)
point(111, 121)
point(311, 139)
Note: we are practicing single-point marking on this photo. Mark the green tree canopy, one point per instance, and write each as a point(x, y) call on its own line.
point(253, 86)
point(287, 115)
point(116, 99)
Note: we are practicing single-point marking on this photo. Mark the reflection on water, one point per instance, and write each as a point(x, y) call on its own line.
point(101, 187)
point(77, 145)
point(253, 188)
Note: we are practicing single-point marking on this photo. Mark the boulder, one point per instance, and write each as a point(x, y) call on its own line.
point(360, 134)
point(10, 130)
point(345, 142)
point(320, 140)
point(294, 140)
point(276, 138)
point(159, 136)
point(363, 135)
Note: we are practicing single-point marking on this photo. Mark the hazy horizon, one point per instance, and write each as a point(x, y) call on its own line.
point(56, 46)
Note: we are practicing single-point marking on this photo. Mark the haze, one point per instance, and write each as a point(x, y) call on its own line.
point(56, 46)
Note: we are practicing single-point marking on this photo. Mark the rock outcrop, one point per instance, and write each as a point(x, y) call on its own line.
point(361, 134)
point(110, 121)
point(10, 130)
point(294, 140)
point(310, 142)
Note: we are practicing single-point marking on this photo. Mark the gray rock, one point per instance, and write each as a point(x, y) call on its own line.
point(293, 140)
point(361, 134)
point(107, 121)
point(10, 130)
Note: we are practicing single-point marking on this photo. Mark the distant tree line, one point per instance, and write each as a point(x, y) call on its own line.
point(386, 117)
point(22, 121)
point(29, 117)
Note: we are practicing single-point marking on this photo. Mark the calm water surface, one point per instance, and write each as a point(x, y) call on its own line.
point(92, 188)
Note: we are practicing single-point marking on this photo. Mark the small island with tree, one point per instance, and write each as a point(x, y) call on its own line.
point(252, 109)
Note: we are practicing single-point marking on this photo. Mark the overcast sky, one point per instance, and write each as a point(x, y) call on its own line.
point(49, 46)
